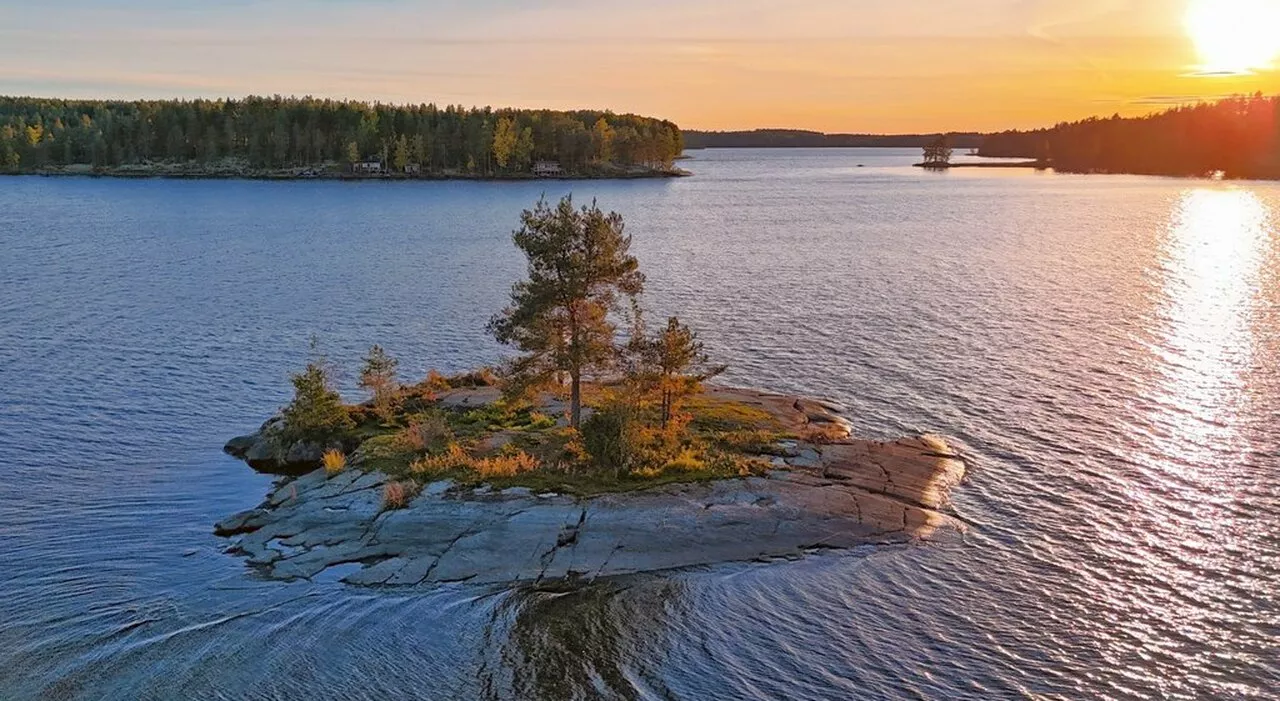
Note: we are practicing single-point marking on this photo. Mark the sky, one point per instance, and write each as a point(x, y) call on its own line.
point(884, 66)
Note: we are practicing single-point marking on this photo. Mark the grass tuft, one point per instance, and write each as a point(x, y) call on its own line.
point(334, 462)
point(455, 460)
point(506, 465)
point(398, 494)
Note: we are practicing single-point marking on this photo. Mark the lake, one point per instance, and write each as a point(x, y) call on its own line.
point(1105, 349)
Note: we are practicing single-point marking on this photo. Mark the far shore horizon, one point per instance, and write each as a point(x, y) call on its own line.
point(272, 137)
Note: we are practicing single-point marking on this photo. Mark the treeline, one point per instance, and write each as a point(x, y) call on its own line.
point(279, 132)
point(797, 138)
point(1239, 137)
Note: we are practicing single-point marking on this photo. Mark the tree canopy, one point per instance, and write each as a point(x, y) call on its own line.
point(284, 132)
point(671, 364)
point(938, 152)
point(563, 317)
point(1239, 137)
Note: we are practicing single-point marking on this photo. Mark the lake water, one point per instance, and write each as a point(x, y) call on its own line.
point(1106, 349)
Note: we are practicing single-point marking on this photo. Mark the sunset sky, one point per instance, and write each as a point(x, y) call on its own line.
point(831, 65)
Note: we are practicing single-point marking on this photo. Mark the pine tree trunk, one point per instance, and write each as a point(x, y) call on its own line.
point(575, 400)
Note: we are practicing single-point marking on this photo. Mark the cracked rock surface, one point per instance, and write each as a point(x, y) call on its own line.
point(836, 494)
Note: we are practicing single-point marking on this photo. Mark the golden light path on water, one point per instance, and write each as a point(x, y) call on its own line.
point(1186, 527)
point(1212, 260)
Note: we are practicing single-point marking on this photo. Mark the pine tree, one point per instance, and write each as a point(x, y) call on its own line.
point(671, 364)
point(579, 268)
point(378, 376)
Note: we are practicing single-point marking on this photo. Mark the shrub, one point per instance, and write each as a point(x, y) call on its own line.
point(388, 452)
point(688, 460)
point(710, 414)
point(484, 377)
point(427, 432)
point(431, 466)
point(334, 461)
point(396, 494)
point(558, 448)
point(386, 446)
point(316, 412)
point(755, 441)
point(435, 382)
point(539, 421)
point(610, 436)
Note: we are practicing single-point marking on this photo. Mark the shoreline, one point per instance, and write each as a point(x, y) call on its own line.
point(130, 174)
point(1038, 165)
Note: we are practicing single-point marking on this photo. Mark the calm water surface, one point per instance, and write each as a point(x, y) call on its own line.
point(1105, 349)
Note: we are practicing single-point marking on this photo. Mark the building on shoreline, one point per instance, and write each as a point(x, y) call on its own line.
point(547, 169)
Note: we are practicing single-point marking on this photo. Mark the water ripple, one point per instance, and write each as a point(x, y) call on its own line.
point(1105, 349)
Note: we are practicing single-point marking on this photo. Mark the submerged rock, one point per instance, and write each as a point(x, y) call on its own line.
point(829, 491)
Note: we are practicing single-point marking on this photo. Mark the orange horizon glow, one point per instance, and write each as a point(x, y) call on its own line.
point(826, 65)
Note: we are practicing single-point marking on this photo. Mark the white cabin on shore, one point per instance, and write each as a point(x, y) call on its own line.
point(547, 169)
point(367, 168)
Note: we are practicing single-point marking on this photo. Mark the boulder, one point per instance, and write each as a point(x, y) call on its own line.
point(304, 453)
point(239, 446)
point(264, 454)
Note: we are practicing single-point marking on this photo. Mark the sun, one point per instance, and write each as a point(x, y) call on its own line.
point(1234, 36)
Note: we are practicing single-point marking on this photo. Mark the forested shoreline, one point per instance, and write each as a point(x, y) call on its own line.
point(308, 137)
point(1237, 137)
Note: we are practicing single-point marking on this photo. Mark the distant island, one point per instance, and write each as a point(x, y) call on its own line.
point(1237, 137)
point(937, 156)
point(600, 450)
point(797, 138)
point(278, 137)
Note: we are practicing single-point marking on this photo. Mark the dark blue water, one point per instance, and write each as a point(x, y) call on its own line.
point(1105, 348)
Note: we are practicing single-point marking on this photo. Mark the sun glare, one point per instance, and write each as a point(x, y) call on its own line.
point(1234, 36)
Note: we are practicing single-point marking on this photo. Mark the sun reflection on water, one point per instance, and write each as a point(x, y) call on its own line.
point(1169, 551)
point(1213, 257)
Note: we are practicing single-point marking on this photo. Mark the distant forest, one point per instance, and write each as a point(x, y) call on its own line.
point(795, 138)
point(1238, 137)
point(267, 133)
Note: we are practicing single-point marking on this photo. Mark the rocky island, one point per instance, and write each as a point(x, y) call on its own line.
point(597, 452)
point(814, 487)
